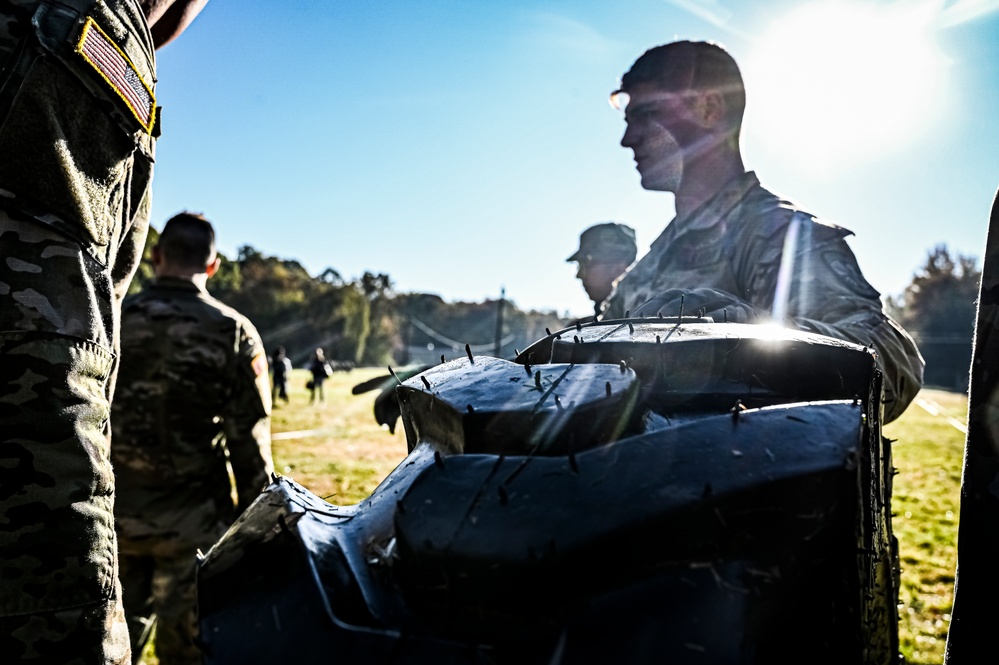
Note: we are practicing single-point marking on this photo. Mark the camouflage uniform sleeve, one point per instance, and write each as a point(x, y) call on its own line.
point(126, 262)
point(898, 356)
point(132, 244)
point(247, 418)
point(830, 296)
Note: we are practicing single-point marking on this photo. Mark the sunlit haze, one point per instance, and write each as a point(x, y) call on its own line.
point(840, 82)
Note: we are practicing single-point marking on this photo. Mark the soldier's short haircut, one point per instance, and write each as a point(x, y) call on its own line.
point(187, 240)
point(687, 66)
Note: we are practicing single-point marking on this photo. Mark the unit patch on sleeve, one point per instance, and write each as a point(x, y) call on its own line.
point(118, 71)
point(259, 364)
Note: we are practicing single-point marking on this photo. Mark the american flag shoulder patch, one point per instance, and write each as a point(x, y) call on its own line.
point(100, 51)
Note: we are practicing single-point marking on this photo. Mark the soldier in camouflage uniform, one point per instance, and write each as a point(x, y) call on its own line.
point(78, 119)
point(193, 391)
point(735, 251)
point(605, 252)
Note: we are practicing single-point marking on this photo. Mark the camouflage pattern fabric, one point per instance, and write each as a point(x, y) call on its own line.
point(74, 203)
point(193, 392)
point(726, 258)
point(95, 633)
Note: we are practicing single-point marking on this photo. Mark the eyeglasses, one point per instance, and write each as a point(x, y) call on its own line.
point(619, 99)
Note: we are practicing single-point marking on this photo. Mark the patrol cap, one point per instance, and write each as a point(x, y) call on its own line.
point(607, 242)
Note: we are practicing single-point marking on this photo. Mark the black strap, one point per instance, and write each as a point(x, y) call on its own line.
point(12, 76)
point(57, 22)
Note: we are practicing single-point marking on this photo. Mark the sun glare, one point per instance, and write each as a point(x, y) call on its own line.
point(835, 81)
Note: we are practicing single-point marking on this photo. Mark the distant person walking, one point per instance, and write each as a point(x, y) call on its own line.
point(321, 371)
point(281, 368)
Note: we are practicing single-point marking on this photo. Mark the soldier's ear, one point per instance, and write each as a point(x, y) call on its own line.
point(213, 267)
point(710, 109)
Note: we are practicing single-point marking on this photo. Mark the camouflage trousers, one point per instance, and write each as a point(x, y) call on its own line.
point(58, 597)
point(91, 635)
point(159, 582)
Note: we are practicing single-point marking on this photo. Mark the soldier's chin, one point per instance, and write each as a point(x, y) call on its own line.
point(661, 182)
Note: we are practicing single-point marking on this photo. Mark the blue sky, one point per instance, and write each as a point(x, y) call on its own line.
point(461, 146)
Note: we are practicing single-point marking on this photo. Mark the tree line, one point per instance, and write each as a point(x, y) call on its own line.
point(938, 308)
point(360, 321)
point(364, 321)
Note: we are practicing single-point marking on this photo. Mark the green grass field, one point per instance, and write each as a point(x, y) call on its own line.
point(336, 449)
point(928, 453)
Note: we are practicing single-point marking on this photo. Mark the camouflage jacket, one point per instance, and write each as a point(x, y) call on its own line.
point(193, 391)
point(76, 155)
point(773, 262)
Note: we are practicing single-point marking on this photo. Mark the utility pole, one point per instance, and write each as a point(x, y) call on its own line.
point(407, 337)
point(499, 322)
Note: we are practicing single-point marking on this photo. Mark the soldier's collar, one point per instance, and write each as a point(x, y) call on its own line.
point(178, 284)
point(721, 204)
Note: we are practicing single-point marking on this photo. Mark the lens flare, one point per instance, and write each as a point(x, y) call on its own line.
point(837, 80)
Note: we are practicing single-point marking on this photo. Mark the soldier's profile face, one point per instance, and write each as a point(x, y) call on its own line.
point(659, 131)
point(598, 277)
